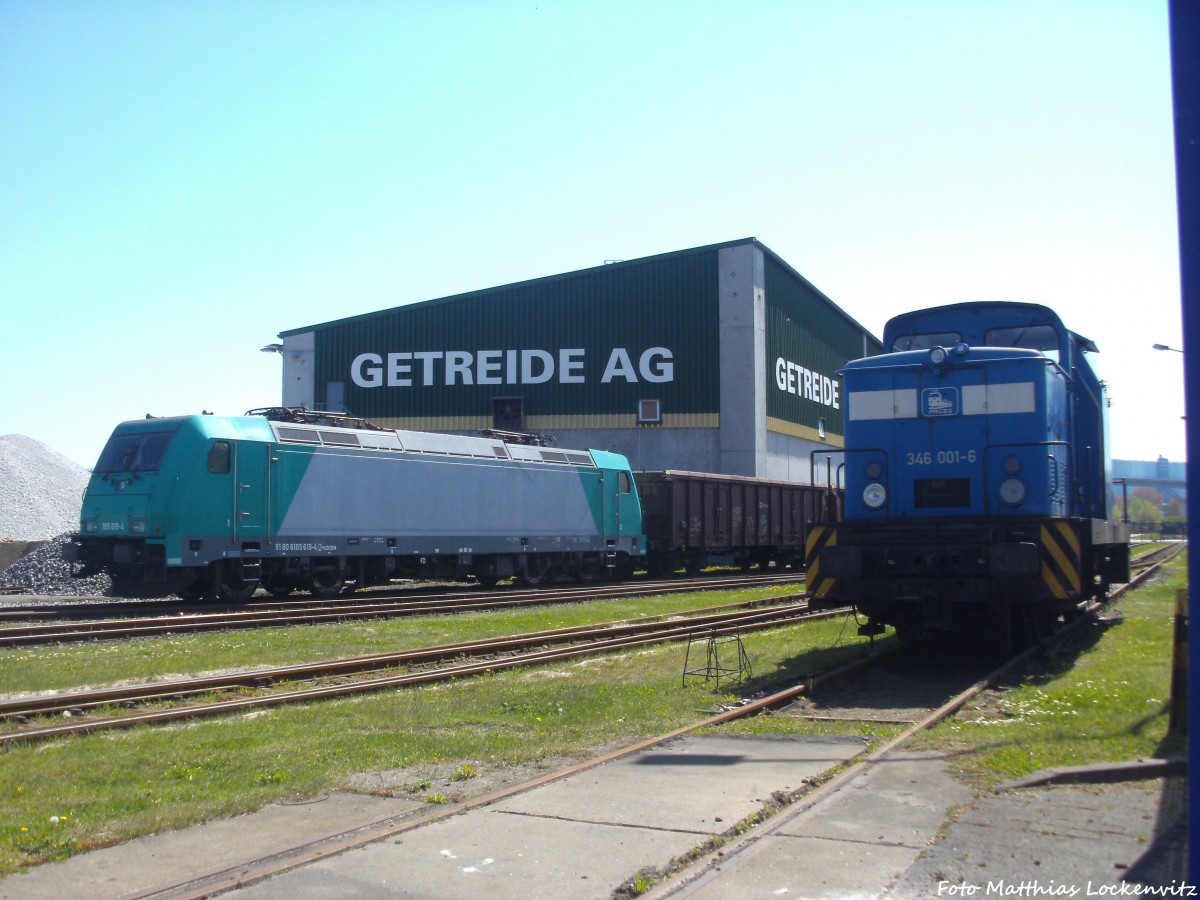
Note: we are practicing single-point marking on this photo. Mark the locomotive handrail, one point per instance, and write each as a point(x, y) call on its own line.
point(839, 482)
point(828, 453)
point(812, 462)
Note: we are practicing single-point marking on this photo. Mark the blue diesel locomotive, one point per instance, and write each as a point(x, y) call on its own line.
point(977, 478)
point(219, 506)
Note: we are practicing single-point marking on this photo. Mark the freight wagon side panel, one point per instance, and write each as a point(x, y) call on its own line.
point(720, 514)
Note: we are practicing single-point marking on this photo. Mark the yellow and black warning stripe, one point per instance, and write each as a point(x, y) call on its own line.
point(1061, 560)
point(819, 536)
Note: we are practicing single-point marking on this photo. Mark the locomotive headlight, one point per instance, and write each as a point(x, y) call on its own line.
point(938, 355)
point(874, 469)
point(1012, 491)
point(138, 526)
point(874, 495)
point(91, 526)
point(962, 348)
point(1012, 465)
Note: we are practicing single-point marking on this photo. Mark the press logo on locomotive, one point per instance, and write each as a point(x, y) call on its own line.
point(941, 401)
point(450, 367)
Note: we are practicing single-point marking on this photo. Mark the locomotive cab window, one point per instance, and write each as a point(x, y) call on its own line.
point(626, 487)
point(218, 458)
point(141, 452)
point(925, 341)
point(1042, 338)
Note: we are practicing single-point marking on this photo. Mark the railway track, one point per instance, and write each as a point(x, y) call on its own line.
point(725, 853)
point(379, 605)
point(1158, 555)
point(721, 850)
point(92, 711)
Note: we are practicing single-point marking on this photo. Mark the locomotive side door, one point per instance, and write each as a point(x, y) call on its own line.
point(251, 491)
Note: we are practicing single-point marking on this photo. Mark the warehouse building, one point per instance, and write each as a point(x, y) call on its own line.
point(716, 359)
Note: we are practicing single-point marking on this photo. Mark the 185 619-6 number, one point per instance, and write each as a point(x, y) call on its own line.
point(942, 457)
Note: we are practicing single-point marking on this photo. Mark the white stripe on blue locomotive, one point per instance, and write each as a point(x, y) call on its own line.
point(976, 400)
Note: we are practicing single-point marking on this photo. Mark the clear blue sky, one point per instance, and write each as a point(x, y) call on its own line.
point(179, 182)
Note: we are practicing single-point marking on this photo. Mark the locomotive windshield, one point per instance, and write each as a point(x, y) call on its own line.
point(1033, 337)
point(134, 452)
point(925, 341)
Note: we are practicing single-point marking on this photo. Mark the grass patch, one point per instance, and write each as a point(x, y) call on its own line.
point(1105, 700)
point(74, 666)
point(65, 796)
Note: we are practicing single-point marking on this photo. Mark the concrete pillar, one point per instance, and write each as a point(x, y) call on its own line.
point(299, 377)
point(743, 328)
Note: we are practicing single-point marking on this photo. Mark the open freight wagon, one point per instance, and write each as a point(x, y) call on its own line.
point(693, 520)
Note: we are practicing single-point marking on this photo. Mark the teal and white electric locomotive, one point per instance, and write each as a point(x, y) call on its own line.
point(287, 499)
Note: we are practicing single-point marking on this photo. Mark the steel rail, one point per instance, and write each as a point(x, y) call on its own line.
point(367, 608)
point(1158, 554)
point(83, 607)
point(250, 871)
point(264, 677)
point(602, 639)
point(692, 873)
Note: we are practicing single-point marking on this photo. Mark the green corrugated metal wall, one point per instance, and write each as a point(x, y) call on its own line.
point(666, 302)
point(804, 329)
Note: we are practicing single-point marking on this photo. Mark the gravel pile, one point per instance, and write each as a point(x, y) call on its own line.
point(44, 571)
point(41, 490)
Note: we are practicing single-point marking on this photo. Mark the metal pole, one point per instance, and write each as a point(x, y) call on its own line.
point(1185, 81)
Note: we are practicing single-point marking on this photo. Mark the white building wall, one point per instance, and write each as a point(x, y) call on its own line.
point(791, 458)
point(299, 378)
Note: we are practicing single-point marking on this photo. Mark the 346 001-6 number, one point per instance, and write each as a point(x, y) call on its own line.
point(942, 457)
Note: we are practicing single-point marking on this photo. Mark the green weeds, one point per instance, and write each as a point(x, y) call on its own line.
point(1103, 699)
point(110, 787)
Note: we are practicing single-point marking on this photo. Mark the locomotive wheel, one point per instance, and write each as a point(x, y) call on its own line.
point(199, 589)
point(537, 571)
point(624, 569)
point(279, 588)
point(325, 583)
point(231, 587)
point(586, 570)
point(1034, 624)
point(126, 587)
